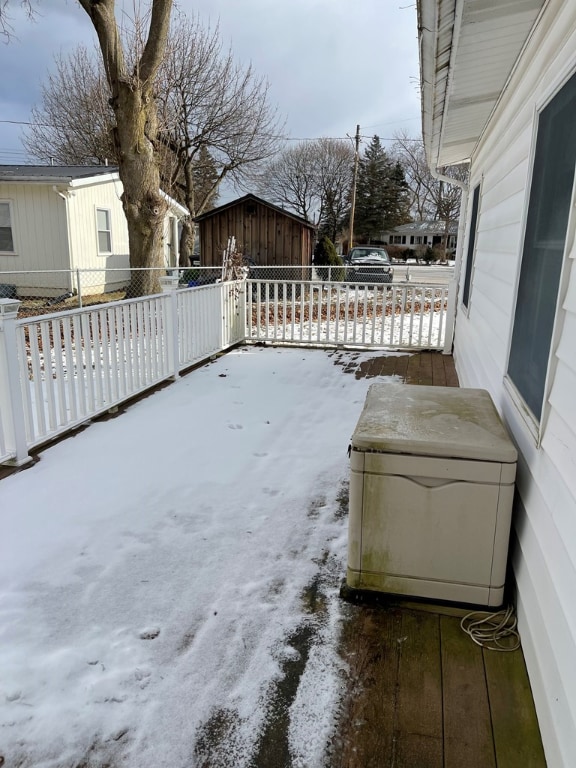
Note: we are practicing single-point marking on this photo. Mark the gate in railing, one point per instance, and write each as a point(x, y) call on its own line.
point(401, 316)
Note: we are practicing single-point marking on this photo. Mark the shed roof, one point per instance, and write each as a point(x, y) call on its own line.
point(255, 199)
point(468, 49)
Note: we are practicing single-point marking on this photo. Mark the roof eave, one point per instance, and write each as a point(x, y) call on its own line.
point(459, 95)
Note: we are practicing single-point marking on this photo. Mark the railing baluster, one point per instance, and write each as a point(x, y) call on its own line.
point(71, 376)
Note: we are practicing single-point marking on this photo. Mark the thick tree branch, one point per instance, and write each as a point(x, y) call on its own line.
point(157, 37)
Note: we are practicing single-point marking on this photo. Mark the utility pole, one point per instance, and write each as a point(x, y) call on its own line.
point(354, 178)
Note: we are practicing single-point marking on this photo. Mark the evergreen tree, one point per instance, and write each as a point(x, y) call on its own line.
point(325, 256)
point(382, 198)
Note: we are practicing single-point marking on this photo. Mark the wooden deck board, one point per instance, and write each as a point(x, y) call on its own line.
point(516, 732)
point(423, 695)
point(419, 730)
point(425, 376)
point(467, 724)
point(367, 741)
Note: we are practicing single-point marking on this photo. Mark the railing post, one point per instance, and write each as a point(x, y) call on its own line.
point(11, 404)
point(450, 317)
point(169, 286)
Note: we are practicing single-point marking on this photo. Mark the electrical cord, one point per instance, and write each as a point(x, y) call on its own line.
point(493, 631)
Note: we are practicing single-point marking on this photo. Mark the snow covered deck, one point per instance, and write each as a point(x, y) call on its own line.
point(170, 577)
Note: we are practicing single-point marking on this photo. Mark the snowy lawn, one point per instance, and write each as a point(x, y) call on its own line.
point(169, 578)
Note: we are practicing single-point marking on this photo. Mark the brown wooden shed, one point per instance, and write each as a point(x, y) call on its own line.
point(265, 233)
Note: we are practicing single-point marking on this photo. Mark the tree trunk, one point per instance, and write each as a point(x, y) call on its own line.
point(135, 135)
point(144, 205)
point(187, 241)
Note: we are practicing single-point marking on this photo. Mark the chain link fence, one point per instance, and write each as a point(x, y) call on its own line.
point(47, 291)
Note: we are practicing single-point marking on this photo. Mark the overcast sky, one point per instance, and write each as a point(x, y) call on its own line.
point(331, 64)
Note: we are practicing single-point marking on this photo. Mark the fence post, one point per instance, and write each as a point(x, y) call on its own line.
point(169, 285)
point(11, 404)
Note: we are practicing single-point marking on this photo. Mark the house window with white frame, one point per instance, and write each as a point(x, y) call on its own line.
point(551, 200)
point(104, 227)
point(6, 231)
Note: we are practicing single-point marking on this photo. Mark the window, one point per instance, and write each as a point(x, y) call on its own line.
point(104, 230)
point(6, 235)
point(544, 243)
point(471, 247)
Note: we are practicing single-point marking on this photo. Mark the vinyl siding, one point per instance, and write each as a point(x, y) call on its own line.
point(40, 239)
point(99, 272)
point(544, 540)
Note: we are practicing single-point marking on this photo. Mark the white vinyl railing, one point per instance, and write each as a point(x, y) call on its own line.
point(58, 371)
point(403, 315)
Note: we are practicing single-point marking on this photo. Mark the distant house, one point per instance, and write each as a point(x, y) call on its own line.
point(416, 234)
point(499, 92)
point(68, 218)
point(265, 233)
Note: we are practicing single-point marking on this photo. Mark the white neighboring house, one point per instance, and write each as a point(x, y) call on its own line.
point(499, 91)
point(418, 234)
point(68, 218)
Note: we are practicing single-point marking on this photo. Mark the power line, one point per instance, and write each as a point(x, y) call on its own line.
point(286, 138)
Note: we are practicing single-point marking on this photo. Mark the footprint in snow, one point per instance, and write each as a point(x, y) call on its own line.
point(149, 634)
point(235, 426)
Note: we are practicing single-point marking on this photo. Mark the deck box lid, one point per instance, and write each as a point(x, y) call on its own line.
point(451, 422)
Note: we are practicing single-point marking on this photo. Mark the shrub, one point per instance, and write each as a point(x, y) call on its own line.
point(439, 253)
point(198, 277)
point(398, 252)
point(325, 256)
point(428, 255)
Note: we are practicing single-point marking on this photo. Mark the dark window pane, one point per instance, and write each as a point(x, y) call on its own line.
point(548, 211)
point(6, 242)
point(471, 246)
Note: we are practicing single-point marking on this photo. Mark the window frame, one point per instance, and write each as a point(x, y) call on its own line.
point(471, 247)
point(108, 212)
point(14, 251)
point(536, 425)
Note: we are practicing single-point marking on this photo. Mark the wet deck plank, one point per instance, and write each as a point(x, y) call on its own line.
point(467, 719)
point(516, 732)
point(423, 695)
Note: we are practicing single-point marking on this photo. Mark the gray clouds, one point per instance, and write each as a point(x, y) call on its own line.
point(330, 63)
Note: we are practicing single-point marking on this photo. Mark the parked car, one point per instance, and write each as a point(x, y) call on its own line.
point(366, 264)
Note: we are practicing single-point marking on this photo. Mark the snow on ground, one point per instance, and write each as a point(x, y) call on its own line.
point(155, 568)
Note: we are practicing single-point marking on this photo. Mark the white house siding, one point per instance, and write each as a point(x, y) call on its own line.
point(106, 272)
point(40, 240)
point(544, 541)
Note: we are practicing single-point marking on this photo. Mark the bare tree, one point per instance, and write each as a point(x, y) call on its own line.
point(76, 88)
point(210, 104)
point(133, 98)
point(313, 179)
point(431, 198)
point(333, 172)
point(213, 118)
point(288, 181)
point(6, 28)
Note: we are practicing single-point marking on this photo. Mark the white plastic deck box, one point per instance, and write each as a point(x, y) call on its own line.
point(431, 490)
